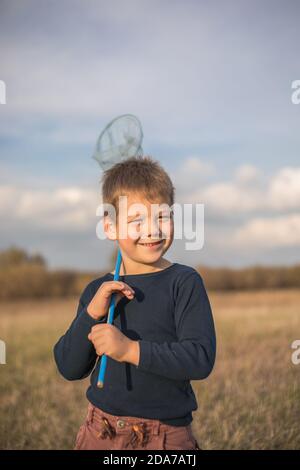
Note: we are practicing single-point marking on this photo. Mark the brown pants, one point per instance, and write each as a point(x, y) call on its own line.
point(103, 431)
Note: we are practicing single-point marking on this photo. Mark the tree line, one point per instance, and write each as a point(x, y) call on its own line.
point(27, 276)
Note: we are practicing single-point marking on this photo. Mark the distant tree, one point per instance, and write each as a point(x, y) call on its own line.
point(15, 257)
point(38, 259)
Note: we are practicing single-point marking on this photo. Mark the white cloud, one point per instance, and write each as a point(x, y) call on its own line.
point(61, 209)
point(248, 192)
point(191, 173)
point(284, 190)
point(230, 198)
point(247, 174)
point(269, 232)
point(73, 207)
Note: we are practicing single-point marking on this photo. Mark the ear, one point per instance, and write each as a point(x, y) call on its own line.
point(109, 228)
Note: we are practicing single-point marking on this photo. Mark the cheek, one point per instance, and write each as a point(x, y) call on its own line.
point(127, 244)
point(129, 237)
point(167, 230)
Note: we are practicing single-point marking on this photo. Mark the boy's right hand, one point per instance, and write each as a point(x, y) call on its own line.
point(99, 305)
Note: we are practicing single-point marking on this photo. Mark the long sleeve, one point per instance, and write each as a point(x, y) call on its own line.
point(74, 354)
point(192, 357)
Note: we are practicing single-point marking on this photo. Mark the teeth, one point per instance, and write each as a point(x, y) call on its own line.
point(151, 244)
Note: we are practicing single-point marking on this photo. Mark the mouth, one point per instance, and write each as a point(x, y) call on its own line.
point(152, 244)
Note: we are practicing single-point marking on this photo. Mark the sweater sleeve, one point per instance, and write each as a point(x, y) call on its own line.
point(74, 354)
point(192, 357)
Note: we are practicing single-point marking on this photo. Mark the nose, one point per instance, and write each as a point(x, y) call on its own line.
point(152, 230)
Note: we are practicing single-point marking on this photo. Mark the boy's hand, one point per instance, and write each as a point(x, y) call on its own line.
point(99, 305)
point(108, 339)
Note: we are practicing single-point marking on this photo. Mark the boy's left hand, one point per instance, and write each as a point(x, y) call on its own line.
point(108, 339)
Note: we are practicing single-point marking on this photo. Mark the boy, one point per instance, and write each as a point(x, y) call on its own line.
point(163, 333)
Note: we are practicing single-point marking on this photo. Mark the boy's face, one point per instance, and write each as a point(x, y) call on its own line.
point(144, 230)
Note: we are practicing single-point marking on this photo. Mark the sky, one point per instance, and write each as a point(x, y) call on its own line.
point(211, 83)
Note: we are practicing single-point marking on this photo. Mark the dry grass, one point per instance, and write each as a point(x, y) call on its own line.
point(250, 401)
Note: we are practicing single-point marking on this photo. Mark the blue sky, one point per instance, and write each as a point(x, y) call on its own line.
point(211, 84)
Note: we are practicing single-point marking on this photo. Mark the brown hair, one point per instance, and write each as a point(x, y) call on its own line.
point(140, 174)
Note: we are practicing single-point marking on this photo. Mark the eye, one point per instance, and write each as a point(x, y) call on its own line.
point(164, 217)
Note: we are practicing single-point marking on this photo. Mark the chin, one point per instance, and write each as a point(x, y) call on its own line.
point(150, 258)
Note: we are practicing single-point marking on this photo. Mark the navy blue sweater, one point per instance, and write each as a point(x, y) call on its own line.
point(171, 318)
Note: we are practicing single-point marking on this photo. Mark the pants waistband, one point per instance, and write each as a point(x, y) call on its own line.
point(124, 423)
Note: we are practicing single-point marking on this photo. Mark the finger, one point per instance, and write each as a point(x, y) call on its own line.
point(97, 337)
point(118, 286)
point(127, 293)
point(94, 336)
point(111, 285)
point(100, 349)
point(103, 332)
point(101, 327)
point(98, 333)
point(127, 287)
point(124, 293)
point(97, 327)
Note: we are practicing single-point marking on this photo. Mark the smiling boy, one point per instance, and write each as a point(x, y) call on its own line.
point(163, 334)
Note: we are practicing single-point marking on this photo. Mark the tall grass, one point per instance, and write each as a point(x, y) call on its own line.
point(250, 401)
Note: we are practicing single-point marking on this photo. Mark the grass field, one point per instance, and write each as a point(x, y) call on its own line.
point(250, 401)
